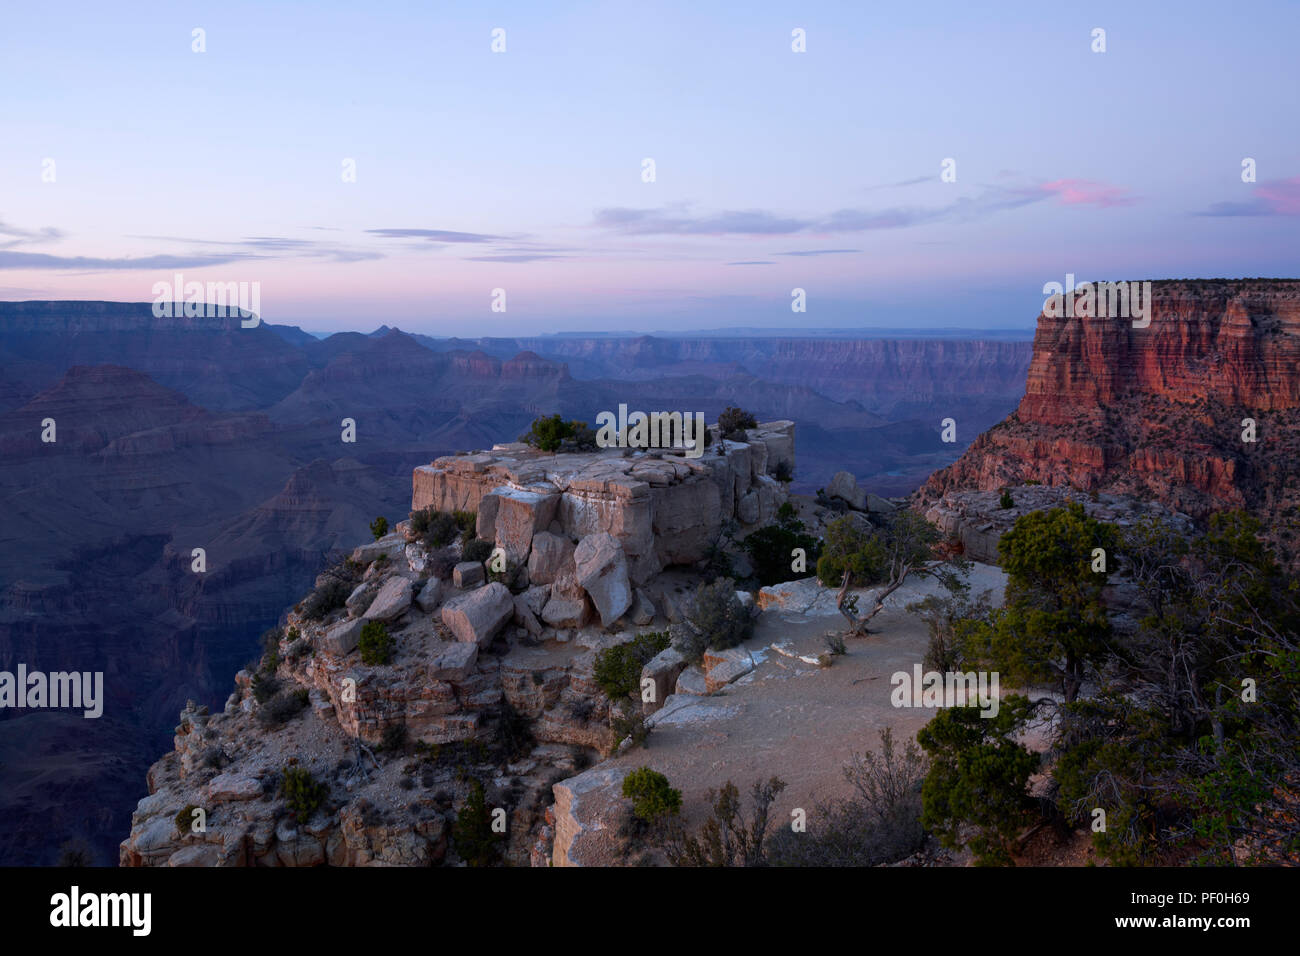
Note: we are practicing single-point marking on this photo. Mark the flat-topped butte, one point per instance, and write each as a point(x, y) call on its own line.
point(663, 508)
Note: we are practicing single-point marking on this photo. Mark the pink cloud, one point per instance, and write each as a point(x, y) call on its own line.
point(1281, 196)
point(1084, 192)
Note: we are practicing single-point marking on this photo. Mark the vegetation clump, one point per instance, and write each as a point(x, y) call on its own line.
point(552, 433)
point(302, 792)
point(376, 644)
point(733, 422)
point(472, 835)
point(716, 620)
point(782, 551)
point(618, 669)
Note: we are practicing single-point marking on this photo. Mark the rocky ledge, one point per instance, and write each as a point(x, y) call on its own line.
point(663, 509)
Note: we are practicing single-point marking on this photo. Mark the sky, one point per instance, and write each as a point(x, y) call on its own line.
point(126, 156)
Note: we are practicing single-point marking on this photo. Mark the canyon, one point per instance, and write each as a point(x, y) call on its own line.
point(180, 433)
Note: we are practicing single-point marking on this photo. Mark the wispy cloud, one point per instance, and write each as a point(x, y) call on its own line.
point(41, 260)
point(753, 262)
point(1085, 192)
point(1277, 197)
point(515, 257)
point(816, 252)
point(678, 221)
point(435, 235)
point(674, 221)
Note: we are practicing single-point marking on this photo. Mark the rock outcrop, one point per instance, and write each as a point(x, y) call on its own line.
point(1159, 411)
point(663, 509)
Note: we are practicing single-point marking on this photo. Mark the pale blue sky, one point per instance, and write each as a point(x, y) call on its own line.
point(522, 170)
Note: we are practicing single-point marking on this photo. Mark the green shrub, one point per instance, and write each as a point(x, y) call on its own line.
point(477, 550)
point(718, 616)
point(264, 686)
point(550, 432)
point(733, 422)
point(302, 792)
point(466, 522)
point(185, 819)
point(783, 472)
point(379, 527)
point(376, 644)
point(618, 669)
point(850, 547)
point(629, 725)
point(976, 792)
point(436, 529)
point(652, 797)
point(472, 834)
point(282, 707)
point(330, 596)
point(1006, 501)
point(771, 549)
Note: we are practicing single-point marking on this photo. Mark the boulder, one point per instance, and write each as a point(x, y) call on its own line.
point(590, 813)
point(525, 617)
point(723, 667)
point(430, 595)
point(643, 609)
point(877, 503)
point(360, 598)
point(691, 681)
point(747, 508)
point(233, 787)
point(550, 554)
point(567, 612)
point(747, 602)
point(536, 597)
point(662, 671)
point(342, 639)
point(478, 616)
point(453, 661)
point(601, 569)
point(392, 545)
point(416, 557)
point(392, 600)
point(468, 574)
point(845, 487)
point(519, 516)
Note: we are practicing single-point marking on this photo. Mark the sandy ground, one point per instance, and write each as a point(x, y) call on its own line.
point(795, 720)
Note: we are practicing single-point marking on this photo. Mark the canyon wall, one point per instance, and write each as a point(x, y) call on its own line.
point(1160, 412)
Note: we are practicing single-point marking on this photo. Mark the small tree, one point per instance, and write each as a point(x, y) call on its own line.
point(1006, 501)
point(618, 669)
point(716, 620)
point(887, 554)
point(551, 432)
point(302, 792)
point(1053, 626)
point(376, 644)
point(733, 421)
point(472, 833)
point(379, 527)
point(652, 797)
point(772, 548)
point(978, 778)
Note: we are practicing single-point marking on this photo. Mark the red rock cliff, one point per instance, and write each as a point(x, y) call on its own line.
point(1158, 412)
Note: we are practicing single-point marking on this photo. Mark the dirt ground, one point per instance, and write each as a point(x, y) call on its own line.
point(797, 720)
